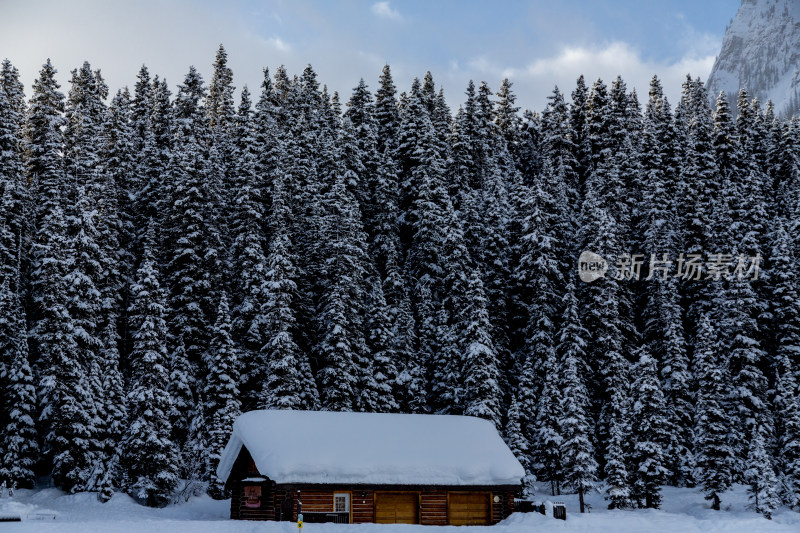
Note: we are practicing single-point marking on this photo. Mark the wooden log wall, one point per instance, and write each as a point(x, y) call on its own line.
point(240, 511)
point(363, 505)
point(433, 508)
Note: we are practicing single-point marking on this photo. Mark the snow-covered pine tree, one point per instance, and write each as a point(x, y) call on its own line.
point(507, 119)
point(246, 223)
point(740, 339)
point(221, 394)
point(540, 252)
point(425, 224)
point(649, 431)
point(495, 252)
point(482, 394)
point(112, 408)
point(577, 451)
point(18, 433)
point(13, 186)
point(63, 393)
point(154, 197)
point(547, 422)
point(617, 446)
point(219, 105)
point(700, 180)
point(84, 305)
point(280, 388)
point(663, 332)
point(713, 455)
point(518, 443)
point(785, 330)
point(363, 157)
point(605, 316)
point(448, 366)
point(386, 113)
point(121, 170)
point(341, 309)
point(377, 387)
point(787, 423)
point(149, 459)
point(192, 242)
point(579, 131)
point(760, 476)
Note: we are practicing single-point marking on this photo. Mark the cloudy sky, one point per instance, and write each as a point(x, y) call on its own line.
point(537, 44)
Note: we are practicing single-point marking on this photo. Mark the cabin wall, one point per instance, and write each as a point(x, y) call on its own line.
point(363, 506)
point(433, 507)
point(239, 509)
point(433, 501)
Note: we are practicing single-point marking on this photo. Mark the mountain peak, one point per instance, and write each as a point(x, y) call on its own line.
point(761, 53)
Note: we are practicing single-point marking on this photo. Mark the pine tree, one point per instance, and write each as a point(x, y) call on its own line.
point(247, 255)
point(63, 393)
point(181, 391)
point(377, 387)
point(149, 457)
point(713, 455)
point(760, 476)
point(787, 422)
point(663, 331)
point(577, 452)
point(112, 408)
point(517, 442)
point(219, 104)
point(579, 131)
point(52, 338)
point(221, 394)
point(18, 434)
point(342, 341)
point(649, 432)
point(85, 307)
point(121, 170)
point(193, 263)
point(280, 352)
point(482, 395)
point(386, 112)
point(547, 423)
point(13, 186)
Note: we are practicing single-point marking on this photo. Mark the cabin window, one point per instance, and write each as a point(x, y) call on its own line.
point(341, 503)
point(252, 497)
point(251, 468)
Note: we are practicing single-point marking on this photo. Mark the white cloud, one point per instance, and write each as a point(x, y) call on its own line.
point(278, 43)
point(384, 10)
point(536, 79)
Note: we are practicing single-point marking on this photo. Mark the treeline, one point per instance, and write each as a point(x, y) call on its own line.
point(169, 261)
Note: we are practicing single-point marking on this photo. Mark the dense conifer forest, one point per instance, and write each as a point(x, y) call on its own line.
point(169, 260)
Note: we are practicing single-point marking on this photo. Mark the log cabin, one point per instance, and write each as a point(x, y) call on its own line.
point(369, 468)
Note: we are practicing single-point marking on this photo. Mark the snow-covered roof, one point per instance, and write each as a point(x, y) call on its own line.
point(372, 448)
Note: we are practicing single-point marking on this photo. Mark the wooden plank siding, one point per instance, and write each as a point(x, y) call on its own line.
point(433, 507)
point(363, 506)
point(316, 501)
point(397, 507)
point(469, 508)
point(242, 512)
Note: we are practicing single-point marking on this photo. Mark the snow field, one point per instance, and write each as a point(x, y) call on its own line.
point(684, 511)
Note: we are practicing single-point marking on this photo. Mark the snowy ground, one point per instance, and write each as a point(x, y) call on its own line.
point(684, 510)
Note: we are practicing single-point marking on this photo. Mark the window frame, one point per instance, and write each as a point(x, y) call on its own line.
point(347, 501)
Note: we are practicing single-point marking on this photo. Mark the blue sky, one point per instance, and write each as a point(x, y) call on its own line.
point(537, 44)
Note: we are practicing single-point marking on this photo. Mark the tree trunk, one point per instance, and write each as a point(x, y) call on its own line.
point(580, 497)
